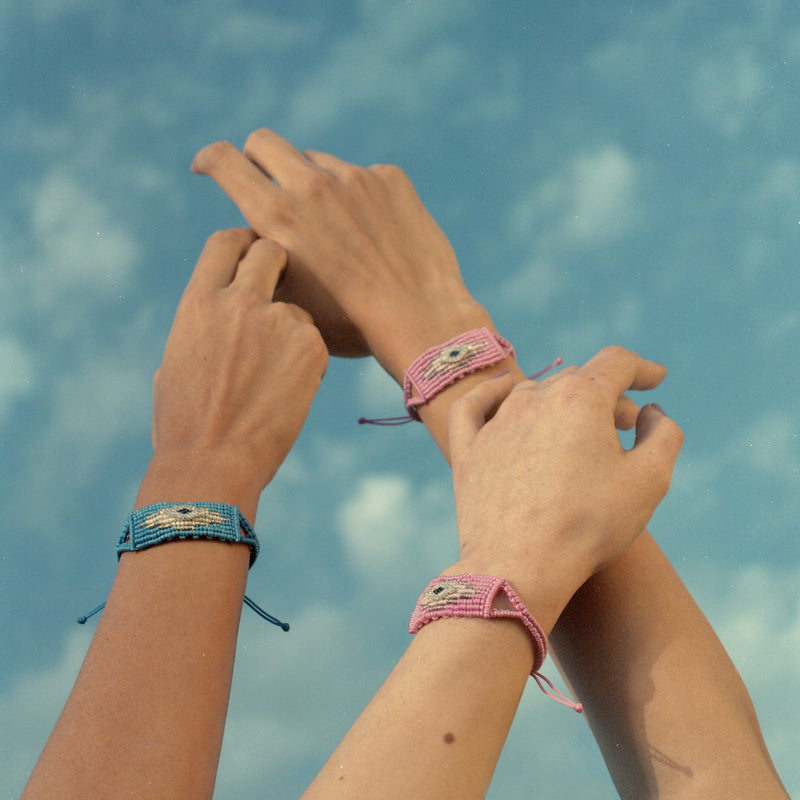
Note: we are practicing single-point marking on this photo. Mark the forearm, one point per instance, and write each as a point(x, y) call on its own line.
point(437, 726)
point(666, 717)
point(147, 712)
point(666, 704)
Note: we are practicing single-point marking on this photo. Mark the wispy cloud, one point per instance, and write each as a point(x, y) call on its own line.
point(18, 371)
point(33, 699)
point(391, 527)
point(590, 199)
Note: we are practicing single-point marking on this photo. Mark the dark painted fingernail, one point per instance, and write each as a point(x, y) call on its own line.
point(658, 408)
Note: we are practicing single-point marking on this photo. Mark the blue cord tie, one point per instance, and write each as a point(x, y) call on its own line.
point(247, 601)
point(164, 522)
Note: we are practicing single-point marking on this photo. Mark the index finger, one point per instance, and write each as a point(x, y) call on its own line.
point(248, 186)
point(220, 257)
point(261, 267)
point(617, 370)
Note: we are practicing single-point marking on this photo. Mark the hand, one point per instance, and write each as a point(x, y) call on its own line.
point(545, 493)
point(238, 375)
point(365, 258)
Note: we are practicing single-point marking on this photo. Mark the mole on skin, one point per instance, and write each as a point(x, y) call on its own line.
point(448, 738)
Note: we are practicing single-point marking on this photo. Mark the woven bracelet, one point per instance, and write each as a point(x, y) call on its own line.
point(441, 366)
point(474, 596)
point(158, 523)
point(163, 522)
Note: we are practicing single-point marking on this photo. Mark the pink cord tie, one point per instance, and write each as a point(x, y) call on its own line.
point(473, 596)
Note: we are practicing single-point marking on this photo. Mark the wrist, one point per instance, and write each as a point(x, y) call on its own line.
point(408, 336)
point(187, 476)
point(544, 589)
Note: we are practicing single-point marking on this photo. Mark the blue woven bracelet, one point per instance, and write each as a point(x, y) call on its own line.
point(165, 522)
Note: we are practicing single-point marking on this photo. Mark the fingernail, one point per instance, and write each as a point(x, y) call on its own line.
point(658, 408)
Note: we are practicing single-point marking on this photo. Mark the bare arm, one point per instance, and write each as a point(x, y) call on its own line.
point(437, 726)
point(146, 716)
point(328, 215)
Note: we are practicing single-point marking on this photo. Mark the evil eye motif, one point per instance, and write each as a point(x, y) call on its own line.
point(445, 593)
point(453, 357)
point(184, 518)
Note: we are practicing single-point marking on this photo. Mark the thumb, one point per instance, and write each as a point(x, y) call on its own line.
point(658, 441)
point(472, 411)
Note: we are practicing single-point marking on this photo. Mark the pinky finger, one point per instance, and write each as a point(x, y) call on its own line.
point(625, 414)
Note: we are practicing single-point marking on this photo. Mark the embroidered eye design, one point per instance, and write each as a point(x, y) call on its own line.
point(443, 594)
point(452, 357)
point(184, 518)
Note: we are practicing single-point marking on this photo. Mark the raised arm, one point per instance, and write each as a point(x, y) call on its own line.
point(437, 726)
point(146, 716)
point(392, 285)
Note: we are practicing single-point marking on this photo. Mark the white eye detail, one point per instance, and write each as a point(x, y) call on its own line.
point(447, 592)
point(184, 518)
point(452, 357)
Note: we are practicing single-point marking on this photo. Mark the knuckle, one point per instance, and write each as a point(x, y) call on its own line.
point(194, 297)
point(213, 156)
point(270, 249)
point(616, 351)
point(390, 172)
point(318, 184)
point(231, 236)
point(309, 341)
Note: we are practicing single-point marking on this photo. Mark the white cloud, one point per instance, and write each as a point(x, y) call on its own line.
point(295, 695)
point(81, 246)
point(390, 527)
point(255, 32)
point(401, 58)
point(619, 322)
point(725, 90)
point(100, 401)
point(756, 612)
point(780, 329)
point(773, 444)
point(53, 10)
point(32, 701)
point(591, 200)
point(16, 373)
point(533, 287)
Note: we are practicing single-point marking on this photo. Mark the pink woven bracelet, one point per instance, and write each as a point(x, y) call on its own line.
point(474, 596)
point(441, 366)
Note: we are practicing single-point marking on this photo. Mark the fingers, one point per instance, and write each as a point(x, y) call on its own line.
point(275, 156)
point(470, 413)
point(625, 414)
point(253, 192)
point(220, 257)
point(616, 370)
point(261, 268)
point(336, 166)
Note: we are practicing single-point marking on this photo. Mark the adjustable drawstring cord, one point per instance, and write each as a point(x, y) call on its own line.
point(390, 421)
point(247, 601)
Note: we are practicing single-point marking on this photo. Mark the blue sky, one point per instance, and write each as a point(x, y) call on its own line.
point(607, 173)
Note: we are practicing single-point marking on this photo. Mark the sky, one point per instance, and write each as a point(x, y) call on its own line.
point(608, 173)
